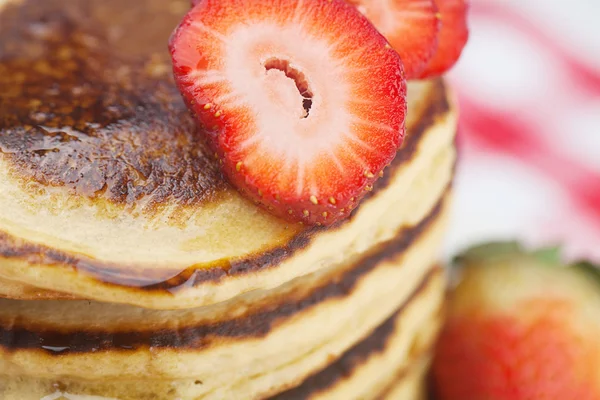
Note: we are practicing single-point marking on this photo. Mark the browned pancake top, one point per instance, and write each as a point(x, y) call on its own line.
point(87, 101)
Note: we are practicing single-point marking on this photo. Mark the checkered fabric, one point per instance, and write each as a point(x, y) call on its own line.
point(529, 88)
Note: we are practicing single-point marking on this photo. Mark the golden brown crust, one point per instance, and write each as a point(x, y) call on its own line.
point(78, 112)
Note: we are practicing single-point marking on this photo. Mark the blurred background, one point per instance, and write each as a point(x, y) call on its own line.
point(529, 87)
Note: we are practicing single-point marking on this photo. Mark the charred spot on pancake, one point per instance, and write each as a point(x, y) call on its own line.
point(100, 119)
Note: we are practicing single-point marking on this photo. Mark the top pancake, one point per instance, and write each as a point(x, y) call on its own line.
point(106, 188)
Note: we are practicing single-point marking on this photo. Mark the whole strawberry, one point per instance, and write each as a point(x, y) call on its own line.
point(521, 326)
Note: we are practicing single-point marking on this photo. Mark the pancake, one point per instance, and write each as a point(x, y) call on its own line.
point(259, 345)
point(108, 193)
point(392, 354)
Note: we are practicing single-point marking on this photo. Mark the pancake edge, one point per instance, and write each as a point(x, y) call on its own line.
point(360, 353)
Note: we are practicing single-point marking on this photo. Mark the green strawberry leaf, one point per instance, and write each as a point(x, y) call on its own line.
point(589, 268)
point(513, 252)
point(487, 251)
point(548, 255)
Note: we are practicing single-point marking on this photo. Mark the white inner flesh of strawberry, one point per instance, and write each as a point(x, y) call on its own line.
point(288, 126)
point(281, 75)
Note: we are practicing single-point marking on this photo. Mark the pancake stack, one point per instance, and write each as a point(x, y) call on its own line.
point(130, 269)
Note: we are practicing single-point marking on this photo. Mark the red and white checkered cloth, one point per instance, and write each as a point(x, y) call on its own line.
point(529, 87)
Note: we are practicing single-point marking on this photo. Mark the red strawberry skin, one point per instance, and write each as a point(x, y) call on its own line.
point(518, 329)
point(411, 27)
point(453, 37)
point(302, 101)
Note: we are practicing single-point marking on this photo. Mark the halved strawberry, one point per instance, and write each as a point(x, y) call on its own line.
point(302, 100)
point(452, 37)
point(411, 27)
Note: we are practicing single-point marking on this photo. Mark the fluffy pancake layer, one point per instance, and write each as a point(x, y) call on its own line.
point(391, 357)
point(262, 346)
point(104, 166)
point(87, 326)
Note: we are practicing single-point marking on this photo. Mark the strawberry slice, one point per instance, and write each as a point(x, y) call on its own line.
point(303, 101)
point(411, 27)
point(452, 37)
